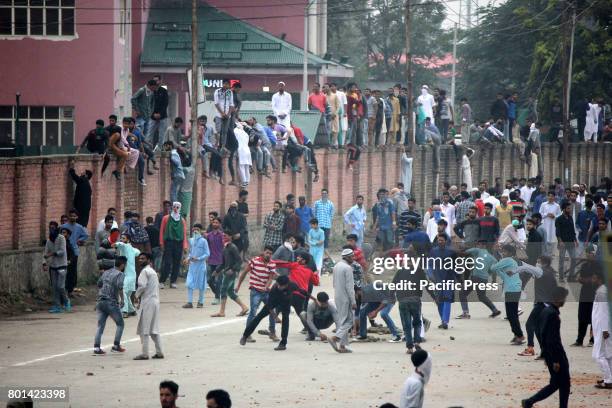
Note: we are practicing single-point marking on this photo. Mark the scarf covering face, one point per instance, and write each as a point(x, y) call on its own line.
point(176, 212)
point(53, 233)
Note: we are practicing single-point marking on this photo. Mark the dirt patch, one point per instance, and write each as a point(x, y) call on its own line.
point(22, 304)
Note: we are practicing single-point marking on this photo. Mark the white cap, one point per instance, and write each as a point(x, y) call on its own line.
point(347, 252)
point(424, 87)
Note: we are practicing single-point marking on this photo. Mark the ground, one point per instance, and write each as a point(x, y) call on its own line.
point(473, 364)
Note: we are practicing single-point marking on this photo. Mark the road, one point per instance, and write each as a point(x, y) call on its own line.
point(477, 368)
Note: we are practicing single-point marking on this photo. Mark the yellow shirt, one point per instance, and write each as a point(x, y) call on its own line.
point(504, 215)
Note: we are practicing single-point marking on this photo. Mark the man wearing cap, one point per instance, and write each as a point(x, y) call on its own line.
point(344, 296)
point(413, 390)
point(281, 105)
point(509, 235)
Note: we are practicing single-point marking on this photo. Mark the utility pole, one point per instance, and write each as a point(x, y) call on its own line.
point(304, 96)
point(469, 14)
point(409, 84)
point(568, 51)
point(454, 66)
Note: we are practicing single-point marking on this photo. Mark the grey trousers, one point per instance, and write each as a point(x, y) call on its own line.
point(144, 339)
point(58, 284)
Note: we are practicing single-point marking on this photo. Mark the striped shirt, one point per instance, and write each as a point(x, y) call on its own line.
point(324, 213)
point(260, 273)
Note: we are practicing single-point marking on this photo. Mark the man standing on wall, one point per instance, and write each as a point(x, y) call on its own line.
point(282, 105)
point(159, 118)
point(224, 105)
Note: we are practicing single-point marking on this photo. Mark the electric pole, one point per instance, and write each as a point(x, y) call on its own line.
point(569, 17)
point(194, 81)
point(409, 85)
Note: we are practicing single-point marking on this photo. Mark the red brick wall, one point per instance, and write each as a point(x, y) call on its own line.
point(35, 191)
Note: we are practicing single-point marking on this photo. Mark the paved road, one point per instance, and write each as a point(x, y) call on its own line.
point(476, 369)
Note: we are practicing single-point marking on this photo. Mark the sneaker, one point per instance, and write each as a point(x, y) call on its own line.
point(158, 356)
point(310, 338)
point(529, 352)
point(263, 332)
point(576, 344)
point(173, 286)
point(417, 346)
point(99, 352)
point(360, 338)
point(188, 306)
point(518, 341)
point(68, 306)
point(526, 404)
point(280, 347)
point(463, 316)
point(200, 305)
point(142, 183)
point(162, 286)
point(250, 340)
point(141, 357)
point(409, 350)
point(215, 302)
point(495, 314)
point(273, 337)
point(55, 309)
point(243, 341)
point(118, 349)
point(395, 339)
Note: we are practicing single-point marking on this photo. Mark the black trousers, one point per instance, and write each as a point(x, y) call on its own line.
point(71, 274)
point(263, 313)
point(584, 319)
point(214, 282)
point(171, 261)
point(512, 304)
point(83, 215)
point(533, 324)
point(558, 381)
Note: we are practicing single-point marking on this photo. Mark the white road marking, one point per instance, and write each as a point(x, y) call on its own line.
point(134, 339)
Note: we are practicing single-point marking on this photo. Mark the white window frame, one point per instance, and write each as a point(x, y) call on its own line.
point(44, 35)
point(63, 111)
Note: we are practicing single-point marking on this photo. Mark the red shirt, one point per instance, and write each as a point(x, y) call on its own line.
point(360, 259)
point(299, 135)
point(301, 275)
point(479, 207)
point(318, 101)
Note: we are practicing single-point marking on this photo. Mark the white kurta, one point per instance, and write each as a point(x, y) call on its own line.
point(244, 153)
point(600, 322)
point(281, 105)
point(148, 291)
point(428, 102)
point(466, 172)
point(591, 120)
point(549, 223)
point(344, 297)
point(406, 171)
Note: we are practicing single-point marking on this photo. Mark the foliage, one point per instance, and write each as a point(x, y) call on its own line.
point(517, 48)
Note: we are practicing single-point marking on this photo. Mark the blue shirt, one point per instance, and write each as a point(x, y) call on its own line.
point(305, 214)
point(382, 212)
point(270, 135)
point(537, 202)
point(506, 269)
point(416, 237)
point(135, 143)
point(584, 220)
point(324, 212)
point(77, 233)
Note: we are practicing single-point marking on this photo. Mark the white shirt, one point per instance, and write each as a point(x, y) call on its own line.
point(449, 214)
point(494, 201)
point(549, 223)
point(224, 100)
point(281, 105)
point(101, 225)
point(428, 102)
point(526, 193)
point(343, 101)
point(244, 152)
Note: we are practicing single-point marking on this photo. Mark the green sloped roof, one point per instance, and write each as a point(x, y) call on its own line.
point(306, 120)
point(223, 40)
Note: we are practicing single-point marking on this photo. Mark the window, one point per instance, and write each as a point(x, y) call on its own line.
point(52, 18)
point(38, 125)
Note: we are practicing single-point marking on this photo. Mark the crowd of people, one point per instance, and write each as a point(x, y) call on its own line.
point(516, 228)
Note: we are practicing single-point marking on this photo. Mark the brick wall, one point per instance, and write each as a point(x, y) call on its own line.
point(35, 191)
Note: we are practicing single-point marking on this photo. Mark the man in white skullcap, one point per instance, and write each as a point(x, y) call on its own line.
point(281, 105)
point(427, 101)
point(344, 297)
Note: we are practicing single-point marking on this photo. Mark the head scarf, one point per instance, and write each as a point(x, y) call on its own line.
point(176, 214)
